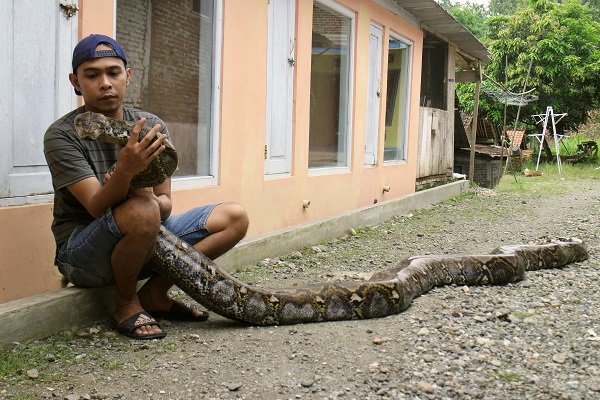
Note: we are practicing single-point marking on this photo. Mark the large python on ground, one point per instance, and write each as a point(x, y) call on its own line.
point(388, 292)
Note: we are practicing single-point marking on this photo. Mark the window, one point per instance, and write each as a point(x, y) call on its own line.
point(197, 6)
point(32, 97)
point(373, 94)
point(280, 87)
point(330, 94)
point(396, 114)
point(174, 76)
point(434, 73)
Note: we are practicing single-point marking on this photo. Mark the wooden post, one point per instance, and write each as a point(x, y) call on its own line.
point(474, 126)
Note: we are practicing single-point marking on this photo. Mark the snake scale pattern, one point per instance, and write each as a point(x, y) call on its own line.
point(95, 126)
point(386, 293)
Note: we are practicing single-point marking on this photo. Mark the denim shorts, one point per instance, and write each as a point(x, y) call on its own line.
point(85, 258)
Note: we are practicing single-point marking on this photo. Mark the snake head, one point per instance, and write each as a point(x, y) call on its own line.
point(90, 125)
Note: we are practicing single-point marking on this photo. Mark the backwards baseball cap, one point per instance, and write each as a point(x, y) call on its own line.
point(86, 50)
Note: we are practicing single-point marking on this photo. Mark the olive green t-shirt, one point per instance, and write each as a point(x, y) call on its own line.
point(72, 159)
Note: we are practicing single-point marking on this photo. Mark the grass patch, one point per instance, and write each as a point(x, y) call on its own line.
point(568, 146)
point(168, 346)
point(253, 274)
point(574, 300)
point(15, 363)
point(114, 365)
point(551, 182)
point(508, 376)
point(522, 314)
point(468, 195)
point(477, 203)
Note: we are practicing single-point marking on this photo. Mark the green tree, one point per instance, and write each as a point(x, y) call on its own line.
point(594, 6)
point(562, 41)
point(470, 14)
point(505, 7)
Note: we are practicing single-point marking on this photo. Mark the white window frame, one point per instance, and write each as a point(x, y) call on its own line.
point(373, 114)
point(316, 171)
point(280, 166)
point(409, 64)
point(20, 185)
point(192, 181)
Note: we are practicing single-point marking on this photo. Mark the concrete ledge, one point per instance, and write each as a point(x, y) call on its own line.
point(39, 316)
point(70, 308)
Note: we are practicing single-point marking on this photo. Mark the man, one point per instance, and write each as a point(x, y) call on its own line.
point(105, 231)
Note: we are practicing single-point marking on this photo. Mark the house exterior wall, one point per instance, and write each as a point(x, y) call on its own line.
point(26, 242)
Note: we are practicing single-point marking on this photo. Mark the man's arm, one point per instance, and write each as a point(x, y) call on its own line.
point(163, 196)
point(96, 198)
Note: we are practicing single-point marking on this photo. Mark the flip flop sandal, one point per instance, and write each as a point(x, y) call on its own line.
point(134, 322)
point(181, 312)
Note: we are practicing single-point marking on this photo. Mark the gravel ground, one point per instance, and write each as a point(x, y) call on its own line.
point(536, 339)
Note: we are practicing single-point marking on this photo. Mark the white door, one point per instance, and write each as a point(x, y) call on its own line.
point(36, 40)
point(280, 86)
point(374, 94)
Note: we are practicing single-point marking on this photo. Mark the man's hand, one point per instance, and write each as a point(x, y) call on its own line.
point(135, 156)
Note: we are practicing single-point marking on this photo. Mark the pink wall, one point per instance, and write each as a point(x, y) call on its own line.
point(96, 16)
point(26, 244)
point(26, 252)
point(274, 204)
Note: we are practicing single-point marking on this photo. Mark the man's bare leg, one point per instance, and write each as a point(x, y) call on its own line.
point(228, 224)
point(139, 222)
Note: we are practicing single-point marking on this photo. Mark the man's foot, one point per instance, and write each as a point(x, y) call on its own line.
point(181, 312)
point(154, 298)
point(136, 327)
point(132, 320)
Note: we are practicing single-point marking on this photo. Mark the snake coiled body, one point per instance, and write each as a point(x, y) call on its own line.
point(94, 126)
point(386, 293)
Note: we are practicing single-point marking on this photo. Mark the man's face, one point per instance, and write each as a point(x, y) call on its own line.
point(102, 83)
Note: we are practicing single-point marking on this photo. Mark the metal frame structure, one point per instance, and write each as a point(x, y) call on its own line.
point(554, 118)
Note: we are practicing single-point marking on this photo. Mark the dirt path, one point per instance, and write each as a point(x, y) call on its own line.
point(536, 339)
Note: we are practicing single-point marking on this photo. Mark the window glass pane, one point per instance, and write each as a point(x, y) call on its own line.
point(396, 101)
point(172, 71)
point(434, 73)
point(329, 88)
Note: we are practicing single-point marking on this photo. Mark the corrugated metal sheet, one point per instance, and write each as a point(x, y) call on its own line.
point(434, 18)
